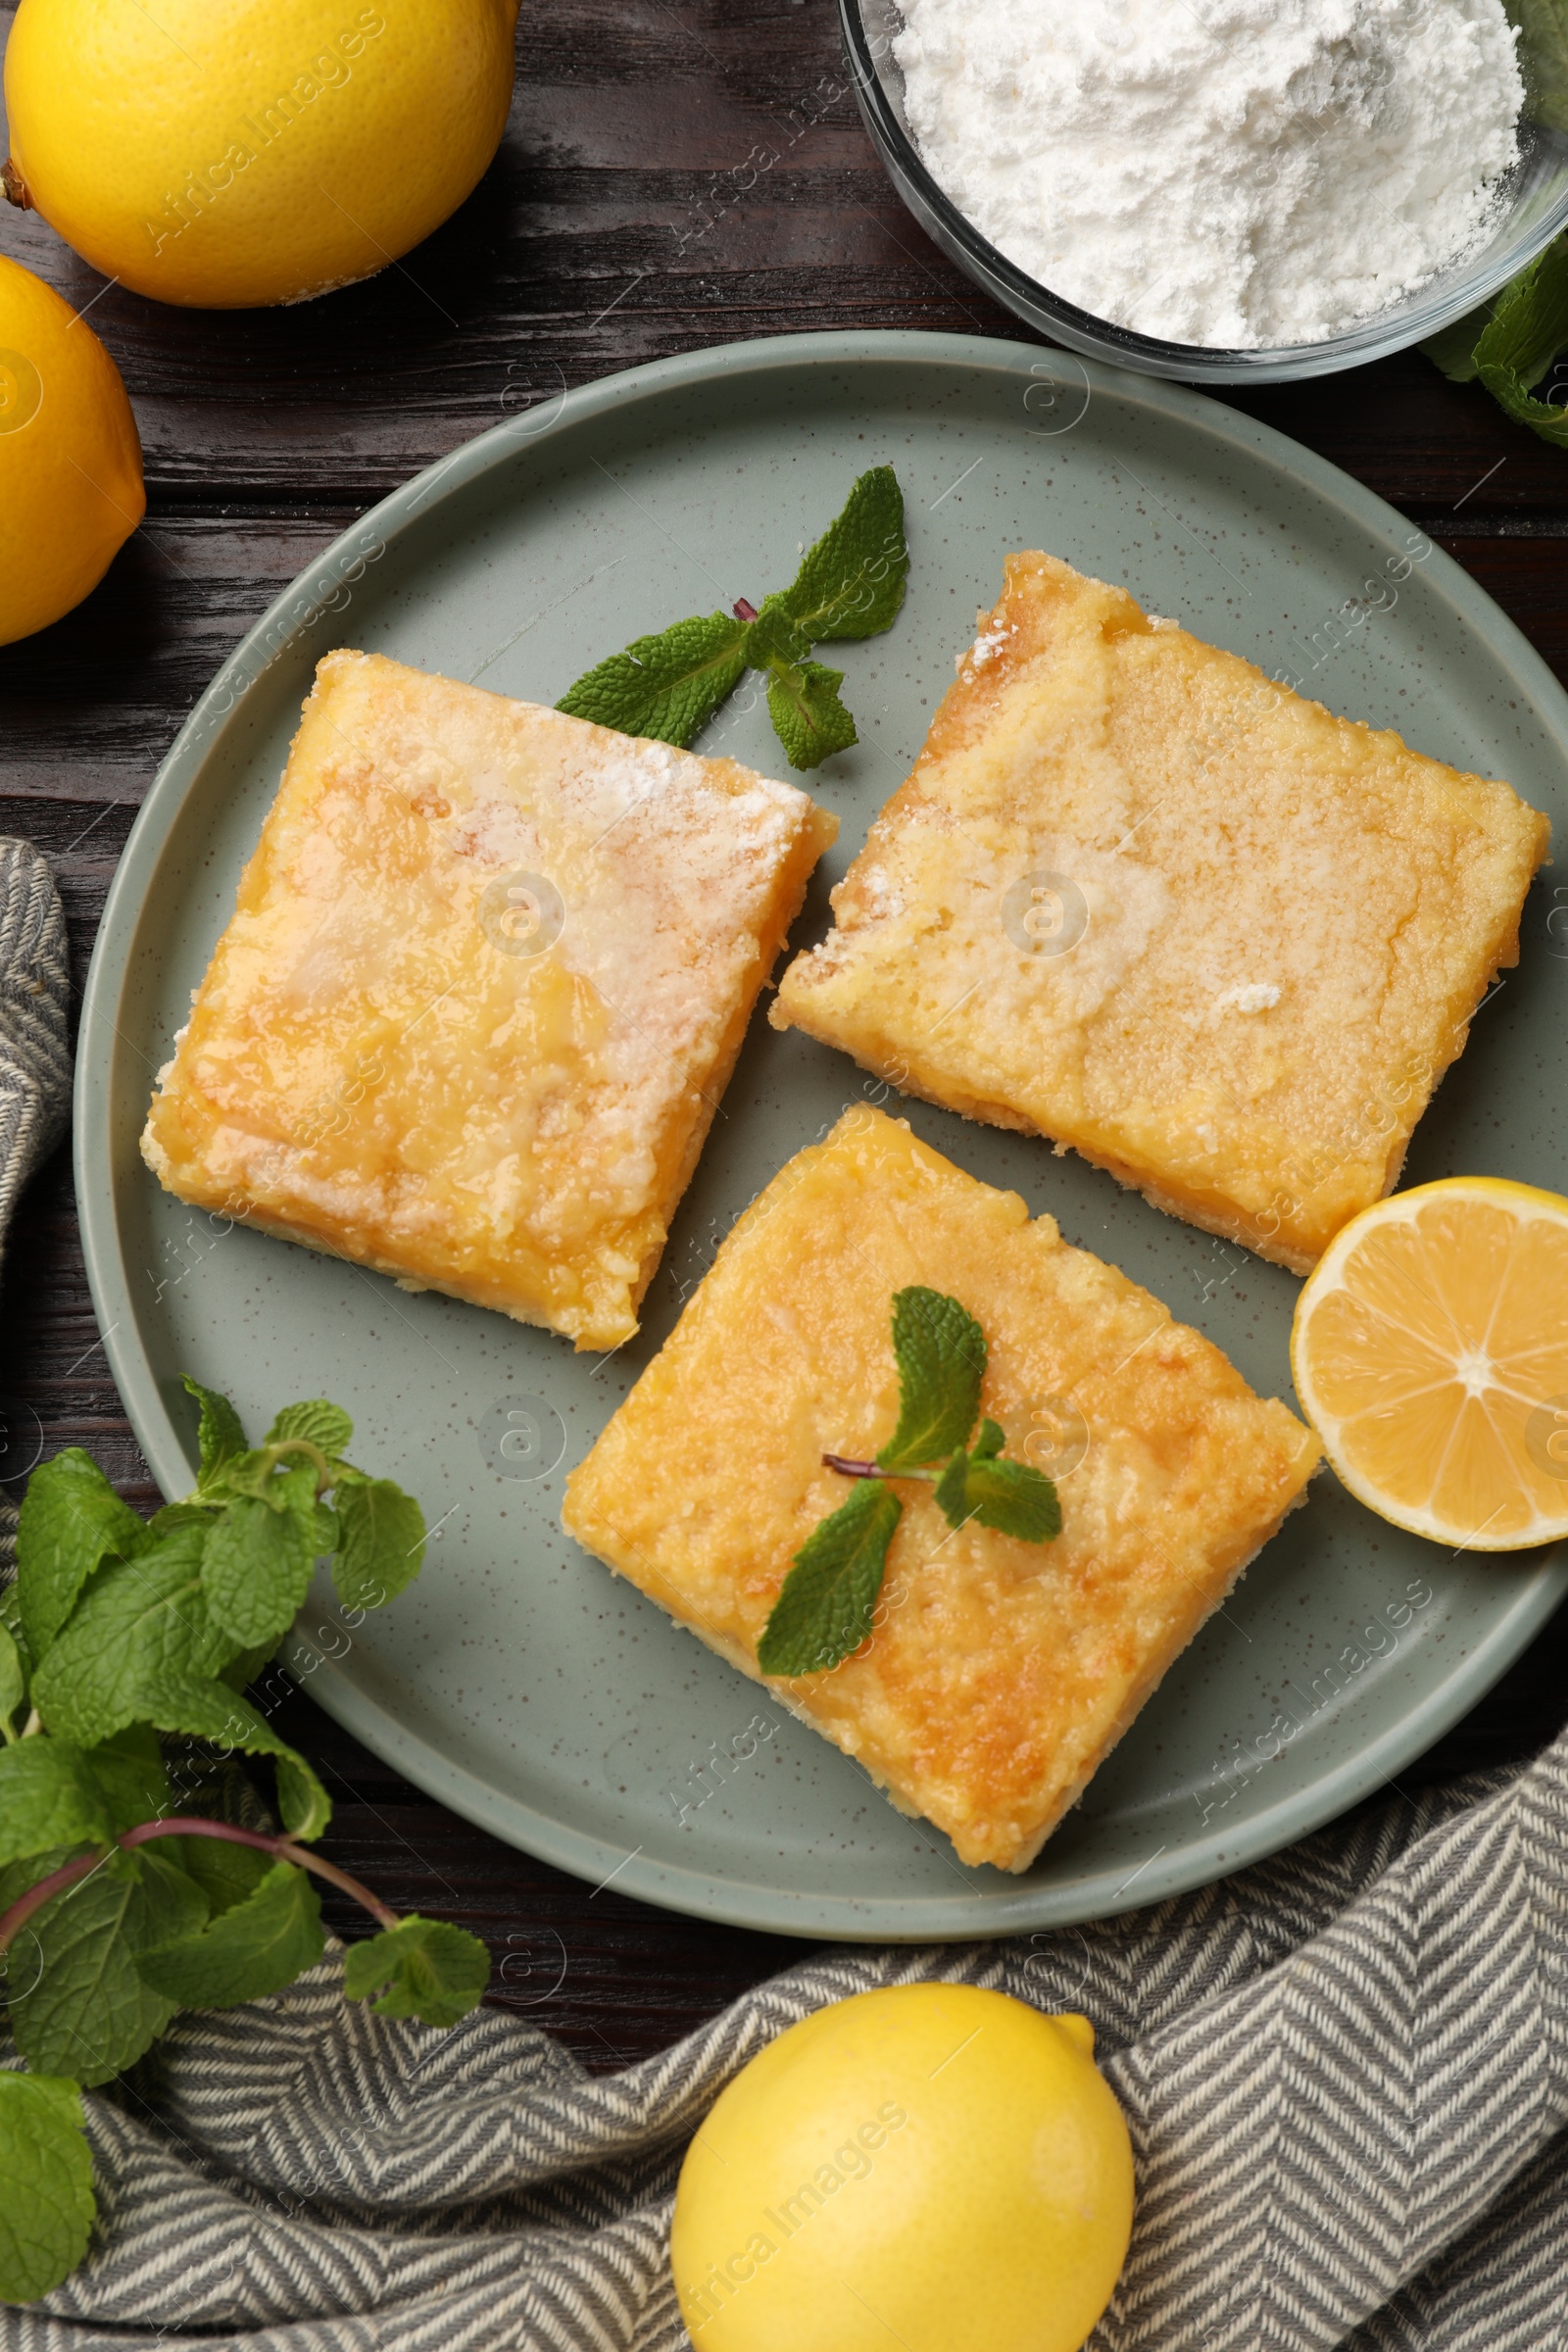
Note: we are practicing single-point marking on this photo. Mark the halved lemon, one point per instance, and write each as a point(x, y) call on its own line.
point(1429, 1351)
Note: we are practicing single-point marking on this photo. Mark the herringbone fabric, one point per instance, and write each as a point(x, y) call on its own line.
point(34, 1056)
point(1346, 2072)
point(35, 992)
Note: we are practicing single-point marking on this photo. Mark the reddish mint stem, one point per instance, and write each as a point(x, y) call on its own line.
point(742, 609)
point(189, 1825)
point(848, 1467)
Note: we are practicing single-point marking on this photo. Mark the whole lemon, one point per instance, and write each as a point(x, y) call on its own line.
point(71, 487)
point(221, 153)
point(933, 2166)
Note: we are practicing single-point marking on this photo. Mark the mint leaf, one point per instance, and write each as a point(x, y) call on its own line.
point(254, 1948)
point(852, 582)
point(129, 1769)
point(257, 1561)
point(49, 1796)
point(1528, 328)
point(940, 1352)
point(174, 1518)
point(209, 1710)
point(324, 1426)
point(665, 686)
point(1543, 27)
point(46, 2203)
point(1013, 1497)
point(227, 1873)
point(246, 1664)
point(10, 1619)
point(264, 1477)
point(430, 1970)
point(244, 1473)
point(142, 1625)
point(171, 1903)
point(13, 1679)
point(808, 718)
point(1453, 349)
point(88, 2012)
point(72, 1520)
point(15, 1879)
point(774, 636)
point(989, 1444)
point(824, 1606)
point(220, 1435)
point(380, 1542)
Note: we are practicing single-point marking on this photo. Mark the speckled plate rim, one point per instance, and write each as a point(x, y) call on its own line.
point(738, 1902)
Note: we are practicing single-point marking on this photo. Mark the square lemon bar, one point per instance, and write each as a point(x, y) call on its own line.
point(999, 1673)
point(1139, 899)
point(487, 977)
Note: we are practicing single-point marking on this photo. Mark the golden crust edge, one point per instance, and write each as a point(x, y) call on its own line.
point(818, 831)
point(280, 1229)
point(1227, 1221)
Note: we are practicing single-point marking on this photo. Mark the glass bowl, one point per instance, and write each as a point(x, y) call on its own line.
point(1537, 207)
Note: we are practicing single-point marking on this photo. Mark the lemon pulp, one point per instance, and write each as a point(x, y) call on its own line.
point(1429, 1351)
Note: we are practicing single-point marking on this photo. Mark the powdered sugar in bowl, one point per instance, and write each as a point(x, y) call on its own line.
point(1336, 180)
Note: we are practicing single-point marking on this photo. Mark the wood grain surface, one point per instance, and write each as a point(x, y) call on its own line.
point(632, 212)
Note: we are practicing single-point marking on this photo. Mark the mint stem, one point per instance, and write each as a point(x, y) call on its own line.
point(742, 609)
point(177, 1825)
point(848, 1467)
point(188, 1824)
point(273, 1454)
point(22, 1909)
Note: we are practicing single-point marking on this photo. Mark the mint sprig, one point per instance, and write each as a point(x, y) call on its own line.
point(123, 1897)
point(849, 585)
point(1510, 344)
point(826, 1603)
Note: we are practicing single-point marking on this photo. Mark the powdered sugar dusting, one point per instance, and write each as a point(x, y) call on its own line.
point(1235, 172)
point(988, 642)
point(1259, 996)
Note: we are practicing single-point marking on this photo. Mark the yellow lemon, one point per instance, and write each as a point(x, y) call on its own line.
point(70, 489)
point(228, 151)
point(1431, 1355)
point(932, 2165)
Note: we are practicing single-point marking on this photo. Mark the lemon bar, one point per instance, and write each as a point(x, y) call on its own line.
point(1139, 899)
point(487, 977)
point(999, 1672)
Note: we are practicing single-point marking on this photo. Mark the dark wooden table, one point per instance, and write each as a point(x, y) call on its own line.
point(628, 215)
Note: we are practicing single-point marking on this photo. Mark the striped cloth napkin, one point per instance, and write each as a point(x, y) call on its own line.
point(1346, 2074)
point(34, 1054)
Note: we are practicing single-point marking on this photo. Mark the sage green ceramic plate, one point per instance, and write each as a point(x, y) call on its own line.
point(518, 1681)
